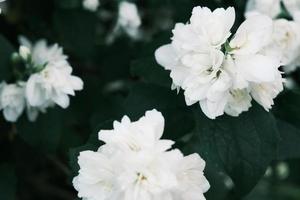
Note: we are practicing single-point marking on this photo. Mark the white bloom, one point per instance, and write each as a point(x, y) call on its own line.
point(12, 101)
point(54, 82)
point(129, 18)
point(189, 175)
point(286, 43)
point(135, 136)
point(91, 5)
point(272, 8)
point(267, 7)
point(214, 72)
point(256, 70)
point(286, 36)
point(212, 27)
point(135, 164)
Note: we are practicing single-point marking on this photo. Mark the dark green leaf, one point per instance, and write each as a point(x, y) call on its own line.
point(8, 182)
point(45, 133)
point(76, 31)
point(6, 51)
point(241, 147)
point(289, 146)
point(149, 71)
point(144, 97)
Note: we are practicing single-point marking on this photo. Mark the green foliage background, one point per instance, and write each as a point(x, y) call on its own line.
point(38, 160)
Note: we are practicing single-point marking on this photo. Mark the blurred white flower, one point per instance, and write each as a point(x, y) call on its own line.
point(286, 43)
point(216, 72)
point(268, 7)
point(129, 19)
point(134, 163)
point(53, 81)
point(0, 7)
point(91, 5)
point(286, 36)
point(12, 100)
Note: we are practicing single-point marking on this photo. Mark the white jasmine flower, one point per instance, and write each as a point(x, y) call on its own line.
point(285, 39)
point(268, 7)
point(190, 174)
point(286, 43)
point(134, 163)
point(213, 27)
point(135, 136)
point(213, 71)
point(12, 101)
point(54, 81)
point(129, 19)
point(91, 5)
point(248, 43)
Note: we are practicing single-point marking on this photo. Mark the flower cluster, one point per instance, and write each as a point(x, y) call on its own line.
point(46, 81)
point(135, 164)
point(220, 71)
point(286, 36)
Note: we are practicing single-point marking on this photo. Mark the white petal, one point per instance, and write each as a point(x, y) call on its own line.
point(166, 56)
point(258, 68)
point(253, 35)
point(62, 100)
point(35, 95)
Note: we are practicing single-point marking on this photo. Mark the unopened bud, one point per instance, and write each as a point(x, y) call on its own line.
point(24, 52)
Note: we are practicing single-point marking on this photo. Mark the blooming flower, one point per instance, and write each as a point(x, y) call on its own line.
point(91, 5)
point(12, 100)
point(273, 8)
point(53, 82)
point(285, 39)
point(134, 163)
point(267, 7)
point(286, 43)
point(216, 72)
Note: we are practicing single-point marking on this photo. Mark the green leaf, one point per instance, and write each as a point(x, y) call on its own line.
point(6, 51)
point(287, 107)
point(43, 134)
point(150, 72)
point(8, 182)
point(144, 97)
point(68, 4)
point(289, 147)
point(76, 31)
point(240, 147)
